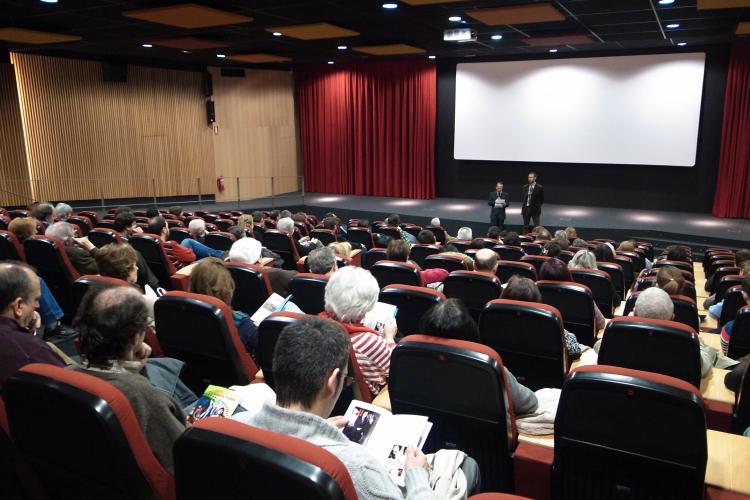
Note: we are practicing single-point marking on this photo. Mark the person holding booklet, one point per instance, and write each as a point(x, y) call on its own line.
point(352, 293)
point(310, 369)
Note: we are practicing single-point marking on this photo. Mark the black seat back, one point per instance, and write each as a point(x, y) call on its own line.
point(361, 235)
point(506, 269)
point(412, 302)
point(372, 256)
point(576, 304)
point(269, 331)
point(739, 341)
point(509, 253)
point(283, 244)
point(251, 286)
point(308, 292)
point(733, 302)
point(420, 251)
point(220, 240)
point(48, 257)
point(475, 289)
point(388, 272)
point(601, 288)
point(149, 245)
point(10, 248)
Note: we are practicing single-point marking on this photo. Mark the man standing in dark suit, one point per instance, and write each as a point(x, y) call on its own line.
point(498, 200)
point(532, 199)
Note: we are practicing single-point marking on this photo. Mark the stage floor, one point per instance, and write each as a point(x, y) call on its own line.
point(616, 223)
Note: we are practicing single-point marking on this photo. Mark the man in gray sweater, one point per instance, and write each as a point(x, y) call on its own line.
point(310, 370)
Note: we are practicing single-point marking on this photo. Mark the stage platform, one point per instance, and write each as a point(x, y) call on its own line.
point(591, 222)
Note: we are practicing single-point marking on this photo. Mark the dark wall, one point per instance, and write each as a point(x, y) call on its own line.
point(637, 186)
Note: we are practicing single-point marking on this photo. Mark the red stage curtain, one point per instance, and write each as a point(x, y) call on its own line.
point(732, 197)
point(369, 128)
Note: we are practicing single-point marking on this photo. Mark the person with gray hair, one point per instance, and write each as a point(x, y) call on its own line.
point(350, 294)
point(322, 261)
point(464, 234)
point(197, 228)
point(43, 212)
point(305, 245)
point(80, 251)
point(485, 260)
point(561, 237)
point(63, 210)
point(583, 259)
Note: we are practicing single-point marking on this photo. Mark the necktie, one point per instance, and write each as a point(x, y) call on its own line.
point(528, 199)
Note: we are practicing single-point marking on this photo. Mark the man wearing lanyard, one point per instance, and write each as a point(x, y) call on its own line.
point(533, 199)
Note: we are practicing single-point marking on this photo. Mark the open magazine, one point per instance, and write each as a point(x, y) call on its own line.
point(379, 316)
point(222, 402)
point(273, 304)
point(386, 435)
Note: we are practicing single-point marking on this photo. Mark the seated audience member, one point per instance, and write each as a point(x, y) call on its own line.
point(655, 303)
point(626, 246)
point(342, 248)
point(579, 243)
point(726, 331)
point(715, 310)
point(476, 244)
point(258, 216)
point(561, 240)
point(451, 320)
point(63, 210)
point(677, 252)
point(583, 259)
point(551, 249)
point(310, 366)
point(177, 212)
point(44, 212)
point(511, 239)
point(381, 240)
point(301, 218)
point(330, 223)
point(394, 220)
point(19, 297)
point(285, 214)
point(273, 215)
point(305, 245)
point(426, 237)
point(571, 233)
point(125, 225)
point(519, 288)
point(185, 252)
point(248, 251)
point(485, 260)
point(237, 232)
point(81, 252)
point(398, 251)
point(23, 228)
point(494, 232)
point(604, 252)
point(435, 222)
point(541, 234)
point(245, 222)
point(322, 261)
point(464, 233)
point(740, 257)
point(197, 228)
point(556, 270)
point(450, 249)
point(350, 294)
point(670, 279)
point(120, 261)
point(210, 277)
point(113, 322)
point(152, 212)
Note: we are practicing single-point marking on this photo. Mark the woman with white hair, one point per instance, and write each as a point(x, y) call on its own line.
point(464, 234)
point(583, 259)
point(350, 294)
point(63, 210)
point(81, 252)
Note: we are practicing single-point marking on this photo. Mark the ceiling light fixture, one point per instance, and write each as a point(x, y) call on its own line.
point(330, 62)
point(666, 2)
point(221, 56)
point(276, 33)
point(681, 44)
point(430, 57)
point(146, 45)
point(390, 5)
point(497, 37)
point(185, 51)
point(49, 1)
point(454, 19)
point(553, 50)
point(342, 47)
point(673, 25)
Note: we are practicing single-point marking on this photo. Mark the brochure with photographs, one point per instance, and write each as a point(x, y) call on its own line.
point(273, 304)
point(386, 435)
point(379, 316)
point(222, 402)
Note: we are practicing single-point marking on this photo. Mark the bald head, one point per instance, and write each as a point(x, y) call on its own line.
point(485, 260)
point(19, 292)
point(654, 303)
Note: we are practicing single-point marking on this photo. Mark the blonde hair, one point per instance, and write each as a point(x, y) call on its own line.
point(245, 220)
point(343, 248)
point(22, 227)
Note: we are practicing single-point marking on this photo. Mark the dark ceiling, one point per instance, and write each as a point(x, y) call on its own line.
point(610, 24)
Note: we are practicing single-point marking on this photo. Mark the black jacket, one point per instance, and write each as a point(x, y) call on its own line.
point(537, 198)
point(498, 211)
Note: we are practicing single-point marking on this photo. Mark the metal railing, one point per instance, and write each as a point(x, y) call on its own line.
point(104, 193)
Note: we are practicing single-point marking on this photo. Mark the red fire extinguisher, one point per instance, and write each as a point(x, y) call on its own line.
point(220, 184)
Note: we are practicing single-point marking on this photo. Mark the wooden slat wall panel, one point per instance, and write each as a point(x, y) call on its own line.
point(257, 133)
point(80, 128)
point(14, 172)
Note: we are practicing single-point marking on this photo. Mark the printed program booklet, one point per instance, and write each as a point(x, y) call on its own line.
point(386, 435)
point(379, 316)
point(273, 304)
point(222, 402)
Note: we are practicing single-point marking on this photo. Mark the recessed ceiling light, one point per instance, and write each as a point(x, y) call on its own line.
point(454, 19)
point(497, 37)
point(666, 2)
point(49, 1)
point(276, 33)
point(185, 51)
point(330, 62)
point(147, 45)
point(553, 50)
point(390, 5)
point(673, 25)
point(221, 56)
point(681, 44)
point(430, 57)
point(342, 47)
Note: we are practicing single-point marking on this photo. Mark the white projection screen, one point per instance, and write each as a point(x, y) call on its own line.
point(632, 110)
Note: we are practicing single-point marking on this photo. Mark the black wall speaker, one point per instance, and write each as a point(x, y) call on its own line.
point(208, 84)
point(114, 72)
point(210, 112)
point(235, 72)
